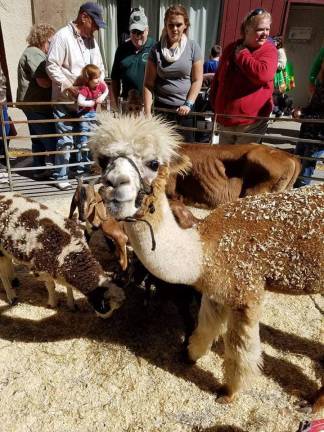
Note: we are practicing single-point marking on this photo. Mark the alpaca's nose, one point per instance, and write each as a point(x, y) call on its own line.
point(122, 180)
point(116, 181)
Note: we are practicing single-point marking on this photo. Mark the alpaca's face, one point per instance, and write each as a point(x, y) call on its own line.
point(125, 178)
point(129, 151)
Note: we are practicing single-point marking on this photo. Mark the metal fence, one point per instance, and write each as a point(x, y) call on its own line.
point(19, 176)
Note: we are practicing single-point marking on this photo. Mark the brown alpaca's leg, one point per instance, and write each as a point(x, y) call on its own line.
point(211, 324)
point(242, 350)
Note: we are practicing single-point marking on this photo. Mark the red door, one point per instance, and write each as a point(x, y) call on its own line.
point(234, 12)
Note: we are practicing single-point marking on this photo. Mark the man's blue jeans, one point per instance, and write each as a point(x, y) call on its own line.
point(67, 142)
point(42, 144)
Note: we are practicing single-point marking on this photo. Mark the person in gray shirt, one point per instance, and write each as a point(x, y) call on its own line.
point(174, 71)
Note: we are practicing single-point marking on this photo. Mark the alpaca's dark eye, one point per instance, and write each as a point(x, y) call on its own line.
point(153, 165)
point(103, 161)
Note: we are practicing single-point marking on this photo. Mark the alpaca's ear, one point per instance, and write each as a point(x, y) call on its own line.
point(180, 164)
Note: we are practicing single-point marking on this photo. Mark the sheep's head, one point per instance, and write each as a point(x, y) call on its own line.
point(106, 298)
point(130, 152)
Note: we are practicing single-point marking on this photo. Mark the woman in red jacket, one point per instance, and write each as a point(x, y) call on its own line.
point(243, 83)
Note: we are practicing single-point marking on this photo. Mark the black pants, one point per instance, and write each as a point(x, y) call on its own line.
point(186, 121)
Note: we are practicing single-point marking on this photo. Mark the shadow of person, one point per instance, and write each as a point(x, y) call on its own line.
point(292, 343)
point(290, 377)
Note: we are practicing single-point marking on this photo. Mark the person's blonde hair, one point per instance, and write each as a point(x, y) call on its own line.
point(252, 18)
point(39, 35)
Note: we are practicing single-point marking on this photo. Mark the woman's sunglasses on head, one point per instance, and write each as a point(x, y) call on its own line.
point(255, 12)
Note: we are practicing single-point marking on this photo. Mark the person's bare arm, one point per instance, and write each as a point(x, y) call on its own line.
point(196, 82)
point(148, 87)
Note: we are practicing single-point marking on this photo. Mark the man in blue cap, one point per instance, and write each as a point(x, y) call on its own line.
point(72, 48)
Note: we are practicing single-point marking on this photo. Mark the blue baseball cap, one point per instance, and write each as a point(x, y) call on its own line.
point(95, 12)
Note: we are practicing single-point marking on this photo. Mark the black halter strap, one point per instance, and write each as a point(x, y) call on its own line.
point(133, 219)
point(147, 189)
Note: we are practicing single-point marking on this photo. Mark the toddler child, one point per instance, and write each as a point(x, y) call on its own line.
point(92, 92)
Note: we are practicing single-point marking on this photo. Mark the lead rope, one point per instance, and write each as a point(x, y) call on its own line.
point(132, 219)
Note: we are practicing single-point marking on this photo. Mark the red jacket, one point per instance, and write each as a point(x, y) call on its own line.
point(243, 83)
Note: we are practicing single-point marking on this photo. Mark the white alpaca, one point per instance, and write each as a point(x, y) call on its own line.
point(267, 242)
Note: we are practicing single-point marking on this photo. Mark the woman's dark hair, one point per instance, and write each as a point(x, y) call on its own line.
point(216, 51)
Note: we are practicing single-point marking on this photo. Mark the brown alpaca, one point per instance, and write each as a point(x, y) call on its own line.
point(267, 242)
point(223, 173)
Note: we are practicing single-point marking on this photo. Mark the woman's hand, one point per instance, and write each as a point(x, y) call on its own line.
point(183, 110)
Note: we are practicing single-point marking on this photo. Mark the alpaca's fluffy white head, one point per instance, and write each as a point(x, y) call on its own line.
point(148, 143)
point(135, 136)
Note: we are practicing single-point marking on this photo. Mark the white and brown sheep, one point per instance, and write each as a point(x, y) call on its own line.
point(54, 248)
point(265, 242)
point(222, 173)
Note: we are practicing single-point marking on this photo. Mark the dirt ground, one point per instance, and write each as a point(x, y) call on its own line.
point(71, 371)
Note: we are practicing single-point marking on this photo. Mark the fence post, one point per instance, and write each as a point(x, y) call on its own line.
point(213, 129)
point(5, 145)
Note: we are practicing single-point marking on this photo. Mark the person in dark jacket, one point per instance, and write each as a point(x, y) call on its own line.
point(315, 131)
point(130, 59)
point(243, 83)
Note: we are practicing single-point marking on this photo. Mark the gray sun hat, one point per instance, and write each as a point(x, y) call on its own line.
point(138, 20)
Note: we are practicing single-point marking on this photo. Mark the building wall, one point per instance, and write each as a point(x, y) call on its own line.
point(16, 21)
point(57, 13)
point(302, 53)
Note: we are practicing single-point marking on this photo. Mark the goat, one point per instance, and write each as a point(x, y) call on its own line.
point(92, 211)
point(54, 248)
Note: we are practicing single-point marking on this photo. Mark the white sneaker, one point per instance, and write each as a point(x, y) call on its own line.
point(64, 185)
point(3, 177)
